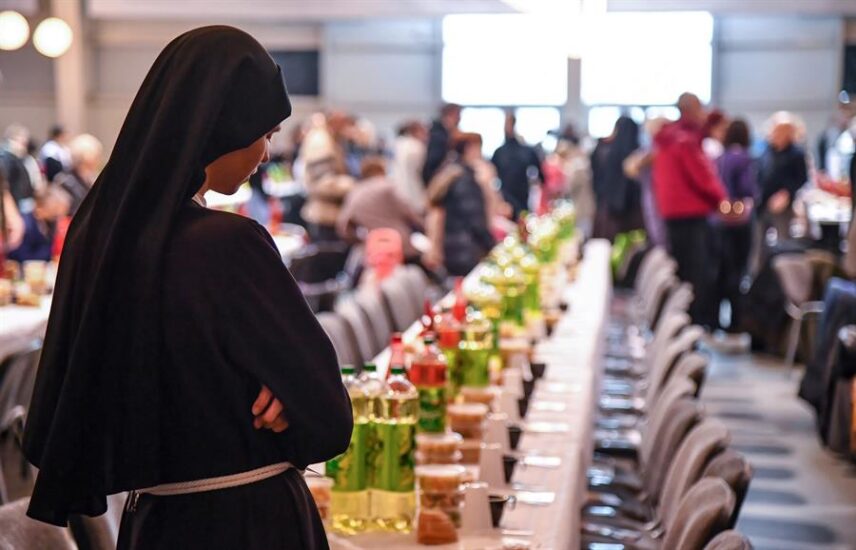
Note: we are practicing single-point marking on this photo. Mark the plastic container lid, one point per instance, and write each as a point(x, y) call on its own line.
point(447, 438)
point(471, 410)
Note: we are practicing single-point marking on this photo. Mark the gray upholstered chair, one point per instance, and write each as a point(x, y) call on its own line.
point(398, 301)
point(796, 276)
point(417, 285)
point(340, 334)
point(729, 540)
point(734, 469)
point(19, 532)
point(18, 375)
point(358, 322)
point(101, 532)
point(703, 513)
point(371, 302)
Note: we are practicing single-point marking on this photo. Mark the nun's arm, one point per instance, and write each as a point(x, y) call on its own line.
point(274, 335)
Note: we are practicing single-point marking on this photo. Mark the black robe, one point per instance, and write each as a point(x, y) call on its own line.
point(234, 318)
point(167, 319)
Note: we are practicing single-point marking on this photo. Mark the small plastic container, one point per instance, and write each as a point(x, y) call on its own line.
point(468, 419)
point(471, 451)
point(485, 396)
point(440, 488)
point(441, 448)
point(322, 492)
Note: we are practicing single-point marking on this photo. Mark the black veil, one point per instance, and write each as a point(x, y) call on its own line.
point(93, 426)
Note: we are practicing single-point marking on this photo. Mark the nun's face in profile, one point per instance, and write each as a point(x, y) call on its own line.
point(226, 174)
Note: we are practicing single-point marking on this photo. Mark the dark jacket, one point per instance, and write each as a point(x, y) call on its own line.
point(75, 186)
point(438, 148)
point(17, 178)
point(514, 162)
point(785, 169)
point(466, 233)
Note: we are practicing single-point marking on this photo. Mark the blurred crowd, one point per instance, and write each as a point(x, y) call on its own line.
point(42, 186)
point(701, 185)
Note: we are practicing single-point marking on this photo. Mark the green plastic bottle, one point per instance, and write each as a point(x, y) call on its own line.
point(392, 460)
point(349, 504)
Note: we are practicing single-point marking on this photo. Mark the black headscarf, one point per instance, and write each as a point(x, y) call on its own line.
point(93, 426)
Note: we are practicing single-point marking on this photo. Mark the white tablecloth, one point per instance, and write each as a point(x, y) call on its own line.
point(21, 325)
point(569, 386)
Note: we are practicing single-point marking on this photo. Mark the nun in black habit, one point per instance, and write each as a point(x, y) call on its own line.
point(181, 361)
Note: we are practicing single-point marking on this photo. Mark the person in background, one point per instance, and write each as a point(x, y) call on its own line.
point(12, 162)
point(55, 155)
point(11, 223)
point(839, 122)
point(462, 199)
point(737, 171)
point(325, 178)
point(375, 203)
point(518, 166)
point(638, 166)
point(86, 157)
point(408, 158)
point(618, 197)
point(688, 191)
point(782, 172)
point(576, 167)
point(40, 226)
point(34, 170)
point(440, 137)
point(714, 134)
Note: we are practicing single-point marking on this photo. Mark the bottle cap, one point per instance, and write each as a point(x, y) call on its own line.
point(397, 369)
point(370, 367)
point(347, 369)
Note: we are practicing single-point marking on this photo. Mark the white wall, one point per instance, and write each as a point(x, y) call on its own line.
point(771, 63)
point(389, 70)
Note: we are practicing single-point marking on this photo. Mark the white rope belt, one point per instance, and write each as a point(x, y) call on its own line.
point(214, 483)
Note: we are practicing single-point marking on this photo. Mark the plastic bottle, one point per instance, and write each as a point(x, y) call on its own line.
point(396, 355)
point(393, 500)
point(428, 372)
point(350, 494)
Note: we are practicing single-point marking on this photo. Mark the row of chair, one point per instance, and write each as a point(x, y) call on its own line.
point(663, 476)
point(361, 325)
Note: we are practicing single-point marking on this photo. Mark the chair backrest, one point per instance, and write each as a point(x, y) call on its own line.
point(319, 262)
point(672, 324)
point(384, 252)
point(371, 302)
point(703, 513)
point(735, 470)
point(649, 264)
point(682, 417)
point(677, 388)
point(795, 275)
point(341, 336)
point(655, 295)
point(100, 532)
point(701, 444)
point(663, 364)
point(679, 300)
point(692, 365)
point(729, 540)
point(19, 532)
point(399, 303)
point(417, 283)
point(358, 322)
point(17, 377)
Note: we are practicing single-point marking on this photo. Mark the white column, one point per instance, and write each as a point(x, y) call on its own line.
point(70, 69)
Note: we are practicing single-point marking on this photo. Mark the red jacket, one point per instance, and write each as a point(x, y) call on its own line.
point(684, 179)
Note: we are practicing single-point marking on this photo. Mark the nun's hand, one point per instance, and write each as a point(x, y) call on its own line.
point(268, 413)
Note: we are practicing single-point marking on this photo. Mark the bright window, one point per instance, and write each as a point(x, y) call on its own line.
point(647, 58)
point(503, 59)
point(533, 125)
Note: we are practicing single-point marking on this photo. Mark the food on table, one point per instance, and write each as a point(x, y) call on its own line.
point(435, 527)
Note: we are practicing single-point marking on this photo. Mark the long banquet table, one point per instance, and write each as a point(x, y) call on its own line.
point(565, 396)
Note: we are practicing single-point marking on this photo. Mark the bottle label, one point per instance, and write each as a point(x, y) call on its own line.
point(391, 456)
point(348, 470)
point(432, 409)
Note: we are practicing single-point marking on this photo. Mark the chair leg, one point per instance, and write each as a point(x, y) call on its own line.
point(793, 342)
